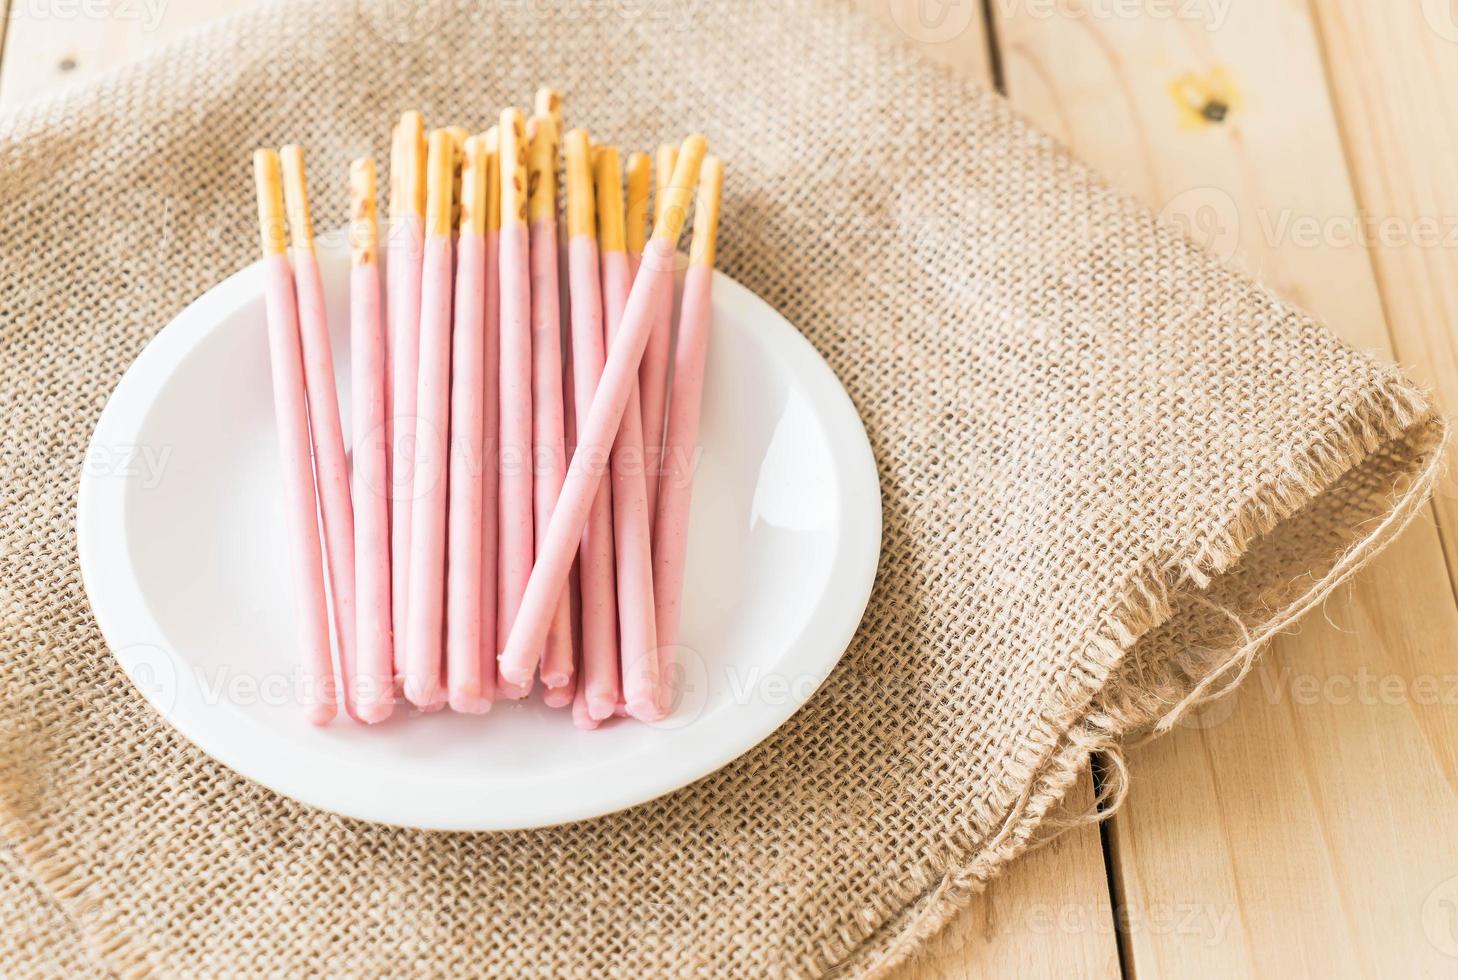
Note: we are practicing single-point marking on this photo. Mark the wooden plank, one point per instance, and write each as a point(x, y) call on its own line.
point(58, 43)
point(1394, 73)
point(1305, 829)
point(948, 32)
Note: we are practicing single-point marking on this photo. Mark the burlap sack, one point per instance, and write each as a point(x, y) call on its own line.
point(1110, 469)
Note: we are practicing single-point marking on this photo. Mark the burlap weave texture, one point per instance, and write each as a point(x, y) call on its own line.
point(1109, 466)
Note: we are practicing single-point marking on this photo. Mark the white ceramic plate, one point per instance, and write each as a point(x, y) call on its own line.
point(183, 555)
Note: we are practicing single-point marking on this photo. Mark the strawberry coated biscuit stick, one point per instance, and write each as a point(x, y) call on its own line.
point(469, 389)
point(637, 646)
point(600, 685)
point(291, 415)
point(331, 466)
point(595, 436)
point(653, 374)
point(491, 415)
point(457, 136)
point(406, 254)
point(670, 531)
point(393, 214)
point(425, 611)
point(549, 457)
point(516, 523)
point(565, 695)
point(375, 661)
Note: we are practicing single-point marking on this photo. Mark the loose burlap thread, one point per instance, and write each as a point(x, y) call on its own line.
point(1110, 469)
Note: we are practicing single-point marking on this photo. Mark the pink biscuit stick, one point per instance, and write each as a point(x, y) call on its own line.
point(637, 628)
point(670, 531)
point(653, 373)
point(580, 716)
point(595, 436)
point(331, 465)
point(599, 685)
point(425, 612)
point(291, 415)
point(374, 698)
point(392, 270)
point(566, 695)
point(516, 503)
point(540, 168)
point(490, 417)
point(468, 468)
point(407, 236)
point(549, 461)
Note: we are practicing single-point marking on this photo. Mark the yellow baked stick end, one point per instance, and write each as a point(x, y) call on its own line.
point(268, 181)
point(611, 226)
point(364, 235)
point(706, 212)
point(581, 204)
point(296, 197)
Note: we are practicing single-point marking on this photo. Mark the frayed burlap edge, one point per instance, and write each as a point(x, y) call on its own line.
point(1398, 411)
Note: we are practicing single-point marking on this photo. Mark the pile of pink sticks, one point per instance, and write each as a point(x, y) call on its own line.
point(475, 545)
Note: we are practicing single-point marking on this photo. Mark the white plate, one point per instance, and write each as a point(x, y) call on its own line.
point(182, 547)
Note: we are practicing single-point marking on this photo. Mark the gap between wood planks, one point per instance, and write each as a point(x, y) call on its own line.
point(994, 51)
point(4, 24)
point(1099, 768)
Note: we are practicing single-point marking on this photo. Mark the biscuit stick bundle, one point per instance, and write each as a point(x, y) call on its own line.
point(514, 504)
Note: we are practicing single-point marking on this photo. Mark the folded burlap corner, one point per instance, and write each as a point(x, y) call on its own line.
point(1110, 469)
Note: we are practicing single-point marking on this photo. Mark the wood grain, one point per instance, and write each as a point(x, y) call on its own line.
point(1394, 75)
point(1301, 827)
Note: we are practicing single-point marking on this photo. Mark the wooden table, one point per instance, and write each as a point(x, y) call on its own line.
point(1307, 825)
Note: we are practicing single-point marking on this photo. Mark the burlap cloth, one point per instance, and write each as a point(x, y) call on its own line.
point(1110, 469)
